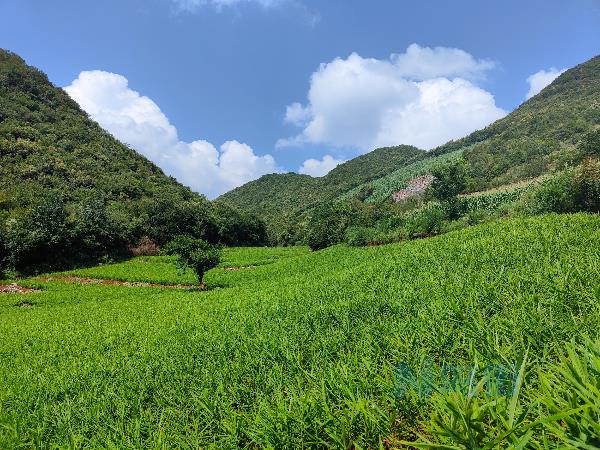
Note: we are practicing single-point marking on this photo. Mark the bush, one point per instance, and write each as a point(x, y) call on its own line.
point(427, 221)
point(197, 254)
point(587, 185)
point(555, 195)
point(359, 236)
point(572, 191)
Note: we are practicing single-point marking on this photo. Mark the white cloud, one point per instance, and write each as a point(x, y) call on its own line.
point(422, 97)
point(297, 114)
point(541, 79)
point(139, 122)
point(422, 63)
point(319, 168)
point(192, 5)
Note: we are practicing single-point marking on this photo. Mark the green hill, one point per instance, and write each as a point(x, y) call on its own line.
point(275, 196)
point(540, 136)
point(56, 164)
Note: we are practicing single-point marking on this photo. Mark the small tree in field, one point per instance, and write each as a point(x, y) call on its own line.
point(197, 254)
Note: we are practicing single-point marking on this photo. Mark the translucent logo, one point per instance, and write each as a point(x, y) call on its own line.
point(499, 379)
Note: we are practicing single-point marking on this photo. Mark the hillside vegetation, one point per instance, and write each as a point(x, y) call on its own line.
point(279, 196)
point(539, 136)
point(69, 190)
point(543, 136)
point(303, 349)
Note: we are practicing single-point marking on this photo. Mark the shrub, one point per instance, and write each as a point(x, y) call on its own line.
point(359, 236)
point(197, 254)
point(587, 184)
point(555, 195)
point(426, 221)
point(572, 191)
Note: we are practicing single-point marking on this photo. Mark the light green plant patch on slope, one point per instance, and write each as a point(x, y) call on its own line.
point(384, 187)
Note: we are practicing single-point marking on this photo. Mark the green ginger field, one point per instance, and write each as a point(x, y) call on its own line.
point(295, 349)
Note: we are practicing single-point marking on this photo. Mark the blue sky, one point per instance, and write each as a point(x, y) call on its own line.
point(218, 92)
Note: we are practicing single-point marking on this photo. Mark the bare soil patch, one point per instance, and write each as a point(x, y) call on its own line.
point(14, 288)
point(84, 280)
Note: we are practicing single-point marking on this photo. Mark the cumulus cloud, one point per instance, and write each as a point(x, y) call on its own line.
point(319, 168)
point(296, 114)
point(423, 97)
point(422, 63)
point(139, 122)
point(541, 79)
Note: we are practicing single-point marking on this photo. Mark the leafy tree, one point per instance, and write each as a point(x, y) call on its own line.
point(236, 227)
point(449, 180)
point(329, 222)
point(326, 227)
point(96, 231)
point(197, 254)
point(41, 236)
point(590, 144)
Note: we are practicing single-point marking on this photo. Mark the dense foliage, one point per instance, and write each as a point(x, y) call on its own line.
point(301, 349)
point(60, 170)
point(441, 209)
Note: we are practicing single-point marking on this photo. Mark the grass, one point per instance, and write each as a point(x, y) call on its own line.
point(299, 351)
point(162, 269)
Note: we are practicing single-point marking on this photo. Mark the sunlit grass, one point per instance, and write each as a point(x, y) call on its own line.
point(299, 350)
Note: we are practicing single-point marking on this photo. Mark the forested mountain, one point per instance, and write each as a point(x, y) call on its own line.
point(277, 195)
point(66, 185)
point(539, 137)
